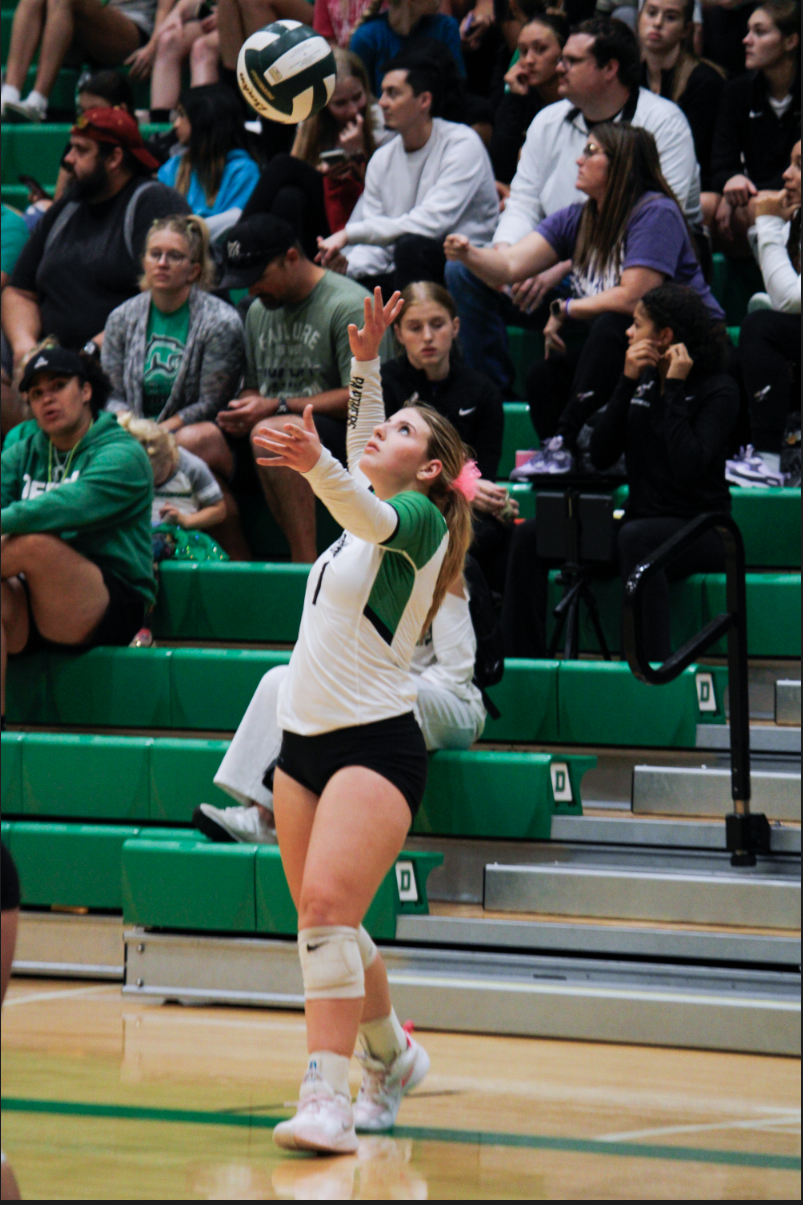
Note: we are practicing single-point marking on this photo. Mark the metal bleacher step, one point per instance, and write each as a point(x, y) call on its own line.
point(703, 791)
point(635, 884)
point(669, 832)
point(721, 1008)
point(787, 701)
point(764, 738)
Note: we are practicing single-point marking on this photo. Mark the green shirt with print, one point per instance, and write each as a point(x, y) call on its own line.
point(165, 341)
point(13, 237)
point(302, 350)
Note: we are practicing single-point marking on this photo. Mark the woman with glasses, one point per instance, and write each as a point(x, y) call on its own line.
point(175, 353)
point(628, 237)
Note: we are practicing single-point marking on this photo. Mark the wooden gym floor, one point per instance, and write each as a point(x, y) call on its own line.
point(106, 1099)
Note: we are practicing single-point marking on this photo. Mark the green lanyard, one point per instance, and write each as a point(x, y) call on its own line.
point(67, 465)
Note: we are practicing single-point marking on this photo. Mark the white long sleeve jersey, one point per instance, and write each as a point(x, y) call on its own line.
point(781, 279)
point(446, 187)
point(368, 595)
point(544, 180)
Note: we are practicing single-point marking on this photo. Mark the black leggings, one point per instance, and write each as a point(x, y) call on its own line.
point(525, 601)
point(416, 257)
point(769, 349)
point(565, 390)
point(290, 189)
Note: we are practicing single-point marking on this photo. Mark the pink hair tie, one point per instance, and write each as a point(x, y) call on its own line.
point(466, 481)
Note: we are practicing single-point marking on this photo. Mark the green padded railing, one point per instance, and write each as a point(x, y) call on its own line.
point(209, 690)
point(146, 780)
point(164, 878)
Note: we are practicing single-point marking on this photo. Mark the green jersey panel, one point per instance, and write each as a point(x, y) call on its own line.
point(421, 527)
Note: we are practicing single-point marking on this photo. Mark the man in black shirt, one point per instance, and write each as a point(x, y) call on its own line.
point(82, 259)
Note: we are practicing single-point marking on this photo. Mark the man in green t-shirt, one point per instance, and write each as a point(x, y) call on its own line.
point(297, 352)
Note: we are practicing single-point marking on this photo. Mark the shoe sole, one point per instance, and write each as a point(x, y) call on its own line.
point(212, 829)
point(290, 1141)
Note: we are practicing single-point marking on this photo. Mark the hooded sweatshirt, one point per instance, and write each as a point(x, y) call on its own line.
point(102, 508)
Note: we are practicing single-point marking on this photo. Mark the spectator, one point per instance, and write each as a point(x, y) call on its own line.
point(297, 353)
point(435, 177)
point(627, 238)
point(724, 25)
point(769, 342)
point(213, 171)
point(96, 90)
point(532, 83)
point(83, 258)
point(381, 37)
point(336, 21)
point(315, 195)
point(671, 415)
point(670, 69)
point(76, 515)
point(175, 353)
point(190, 31)
point(759, 119)
point(106, 33)
point(599, 69)
point(13, 237)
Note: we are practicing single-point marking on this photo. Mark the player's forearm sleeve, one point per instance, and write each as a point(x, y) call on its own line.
point(366, 408)
point(353, 506)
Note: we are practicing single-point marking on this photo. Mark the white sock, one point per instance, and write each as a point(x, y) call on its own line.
point(385, 1038)
point(333, 1069)
point(772, 461)
point(9, 95)
point(37, 100)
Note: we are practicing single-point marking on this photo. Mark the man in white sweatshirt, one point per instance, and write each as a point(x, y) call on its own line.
point(600, 69)
point(433, 179)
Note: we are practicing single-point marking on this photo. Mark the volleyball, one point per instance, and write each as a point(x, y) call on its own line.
point(286, 71)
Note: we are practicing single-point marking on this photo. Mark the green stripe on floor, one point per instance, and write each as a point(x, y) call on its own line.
point(585, 1146)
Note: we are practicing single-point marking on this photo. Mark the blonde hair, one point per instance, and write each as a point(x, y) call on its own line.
point(426, 290)
point(160, 445)
point(444, 444)
point(195, 233)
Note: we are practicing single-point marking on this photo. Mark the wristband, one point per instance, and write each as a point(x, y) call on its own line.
point(282, 408)
point(566, 307)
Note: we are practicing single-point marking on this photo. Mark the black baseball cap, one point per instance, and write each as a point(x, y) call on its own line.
point(52, 359)
point(251, 245)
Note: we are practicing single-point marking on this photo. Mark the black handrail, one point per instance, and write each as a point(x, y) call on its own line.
point(746, 833)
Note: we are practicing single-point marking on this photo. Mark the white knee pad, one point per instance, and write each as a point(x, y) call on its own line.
point(367, 948)
point(331, 963)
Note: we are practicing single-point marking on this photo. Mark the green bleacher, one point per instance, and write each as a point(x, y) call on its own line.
point(98, 807)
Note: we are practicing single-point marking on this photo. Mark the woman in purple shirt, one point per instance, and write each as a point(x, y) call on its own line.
point(629, 237)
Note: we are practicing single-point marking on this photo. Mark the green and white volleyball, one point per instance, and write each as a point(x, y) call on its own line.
point(286, 71)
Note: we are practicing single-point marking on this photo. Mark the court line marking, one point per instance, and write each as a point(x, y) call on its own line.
point(787, 1117)
point(37, 997)
point(585, 1146)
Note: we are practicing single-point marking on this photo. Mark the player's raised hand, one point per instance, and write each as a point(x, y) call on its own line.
point(295, 447)
point(364, 343)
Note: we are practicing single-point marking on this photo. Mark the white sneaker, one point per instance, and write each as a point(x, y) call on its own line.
point(384, 1084)
point(324, 1121)
point(24, 112)
point(245, 824)
point(749, 469)
point(550, 460)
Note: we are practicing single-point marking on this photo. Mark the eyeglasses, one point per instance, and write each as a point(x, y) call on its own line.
point(572, 60)
point(172, 257)
point(589, 150)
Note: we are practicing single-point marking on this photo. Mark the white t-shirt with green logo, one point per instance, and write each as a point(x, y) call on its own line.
point(368, 595)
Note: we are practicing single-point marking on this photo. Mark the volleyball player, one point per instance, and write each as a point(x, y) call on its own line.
point(353, 764)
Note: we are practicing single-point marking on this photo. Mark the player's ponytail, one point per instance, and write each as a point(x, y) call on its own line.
point(446, 446)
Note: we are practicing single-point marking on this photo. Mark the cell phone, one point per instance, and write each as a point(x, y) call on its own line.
point(336, 156)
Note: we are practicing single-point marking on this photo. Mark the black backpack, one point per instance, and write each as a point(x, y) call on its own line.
point(489, 664)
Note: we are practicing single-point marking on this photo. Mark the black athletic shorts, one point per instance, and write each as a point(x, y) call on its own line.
point(124, 617)
point(393, 748)
point(9, 881)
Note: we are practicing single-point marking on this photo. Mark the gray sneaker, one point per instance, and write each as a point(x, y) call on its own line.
point(549, 460)
point(244, 824)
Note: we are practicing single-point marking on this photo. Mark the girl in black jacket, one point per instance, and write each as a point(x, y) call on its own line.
point(759, 119)
point(671, 415)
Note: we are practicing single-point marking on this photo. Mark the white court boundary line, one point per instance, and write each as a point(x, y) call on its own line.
point(785, 1117)
point(36, 997)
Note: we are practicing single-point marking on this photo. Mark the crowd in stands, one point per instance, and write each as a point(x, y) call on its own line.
point(568, 169)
